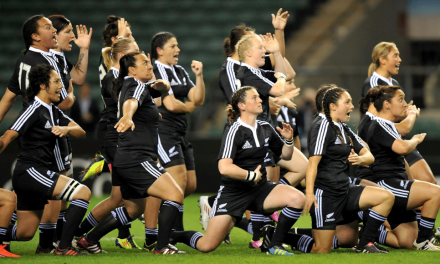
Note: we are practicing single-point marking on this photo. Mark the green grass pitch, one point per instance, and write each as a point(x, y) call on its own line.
point(237, 252)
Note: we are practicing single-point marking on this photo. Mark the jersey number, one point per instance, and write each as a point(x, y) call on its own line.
point(24, 68)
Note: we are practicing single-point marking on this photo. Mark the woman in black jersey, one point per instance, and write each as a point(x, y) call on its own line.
point(331, 200)
point(389, 171)
point(40, 37)
point(386, 63)
point(111, 55)
point(8, 201)
point(175, 151)
point(135, 165)
point(244, 182)
point(38, 127)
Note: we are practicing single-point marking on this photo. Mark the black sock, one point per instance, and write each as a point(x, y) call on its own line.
point(301, 231)
point(303, 243)
point(211, 200)
point(284, 181)
point(426, 226)
point(257, 223)
point(189, 238)
point(105, 168)
point(381, 237)
point(2, 234)
point(243, 223)
point(167, 216)
point(86, 225)
point(14, 218)
point(287, 219)
point(419, 217)
point(150, 235)
point(335, 244)
point(116, 218)
point(178, 224)
point(73, 216)
point(375, 220)
point(60, 224)
point(47, 231)
point(124, 231)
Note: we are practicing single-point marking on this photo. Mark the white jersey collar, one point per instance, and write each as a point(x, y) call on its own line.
point(43, 103)
point(40, 51)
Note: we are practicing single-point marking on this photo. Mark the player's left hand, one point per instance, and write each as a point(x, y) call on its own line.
point(280, 20)
point(197, 67)
point(84, 37)
point(355, 159)
point(60, 131)
point(286, 132)
point(270, 43)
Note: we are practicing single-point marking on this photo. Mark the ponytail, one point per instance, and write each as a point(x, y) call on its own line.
point(372, 69)
point(381, 50)
point(106, 55)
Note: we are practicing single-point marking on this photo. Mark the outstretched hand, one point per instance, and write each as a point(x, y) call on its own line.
point(84, 37)
point(124, 124)
point(287, 131)
point(280, 20)
point(270, 43)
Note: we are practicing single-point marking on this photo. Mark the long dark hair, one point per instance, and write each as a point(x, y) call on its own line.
point(30, 27)
point(128, 60)
point(332, 95)
point(38, 75)
point(111, 30)
point(320, 94)
point(380, 94)
point(59, 22)
point(239, 96)
point(236, 34)
point(158, 41)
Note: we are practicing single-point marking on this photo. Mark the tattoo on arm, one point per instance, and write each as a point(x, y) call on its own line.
point(78, 65)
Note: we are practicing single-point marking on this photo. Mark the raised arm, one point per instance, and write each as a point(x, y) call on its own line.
point(79, 72)
point(287, 133)
point(67, 103)
point(271, 45)
point(197, 93)
point(6, 103)
point(403, 147)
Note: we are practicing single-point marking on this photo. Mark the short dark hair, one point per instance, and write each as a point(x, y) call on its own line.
point(59, 22)
point(38, 75)
point(158, 41)
point(236, 34)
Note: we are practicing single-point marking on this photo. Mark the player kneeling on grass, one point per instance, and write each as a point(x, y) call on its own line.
point(244, 183)
point(38, 126)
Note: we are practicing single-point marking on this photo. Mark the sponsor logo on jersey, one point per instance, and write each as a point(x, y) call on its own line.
point(172, 153)
point(266, 159)
point(329, 217)
point(247, 145)
point(221, 208)
point(404, 184)
point(66, 160)
point(173, 82)
point(50, 173)
point(184, 81)
point(47, 125)
point(266, 142)
point(293, 121)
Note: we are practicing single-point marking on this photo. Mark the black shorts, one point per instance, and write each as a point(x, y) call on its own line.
point(354, 180)
point(395, 218)
point(413, 157)
point(335, 210)
point(109, 154)
point(400, 189)
point(135, 181)
point(101, 130)
point(174, 149)
point(33, 186)
point(234, 201)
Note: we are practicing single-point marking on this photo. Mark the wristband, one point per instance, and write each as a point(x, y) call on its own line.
point(282, 75)
point(289, 142)
point(412, 111)
point(120, 37)
point(251, 176)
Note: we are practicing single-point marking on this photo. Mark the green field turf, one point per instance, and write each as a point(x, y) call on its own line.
point(237, 252)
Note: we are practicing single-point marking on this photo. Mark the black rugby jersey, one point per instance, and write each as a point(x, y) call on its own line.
point(380, 138)
point(67, 66)
point(247, 147)
point(332, 175)
point(364, 125)
point(227, 78)
point(20, 81)
point(263, 81)
point(139, 145)
point(376, 80)
point(288, 116)
point(110, 112)
point(102, 68)
point(181, 84)
point(267, 63)
point(34, 125)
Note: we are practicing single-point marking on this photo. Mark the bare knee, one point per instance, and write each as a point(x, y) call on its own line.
point(83, 194)
point(297, 200)
point(25, 236)
point(9, 199)
point(321, 249)
point(206, 247)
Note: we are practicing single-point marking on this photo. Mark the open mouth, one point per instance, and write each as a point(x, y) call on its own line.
point(348, 114)
point(398, 66)
point(176, 57)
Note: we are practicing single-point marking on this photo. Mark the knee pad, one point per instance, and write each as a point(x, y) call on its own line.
point(72, 187)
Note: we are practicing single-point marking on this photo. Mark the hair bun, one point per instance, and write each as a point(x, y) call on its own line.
point(112, 19)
